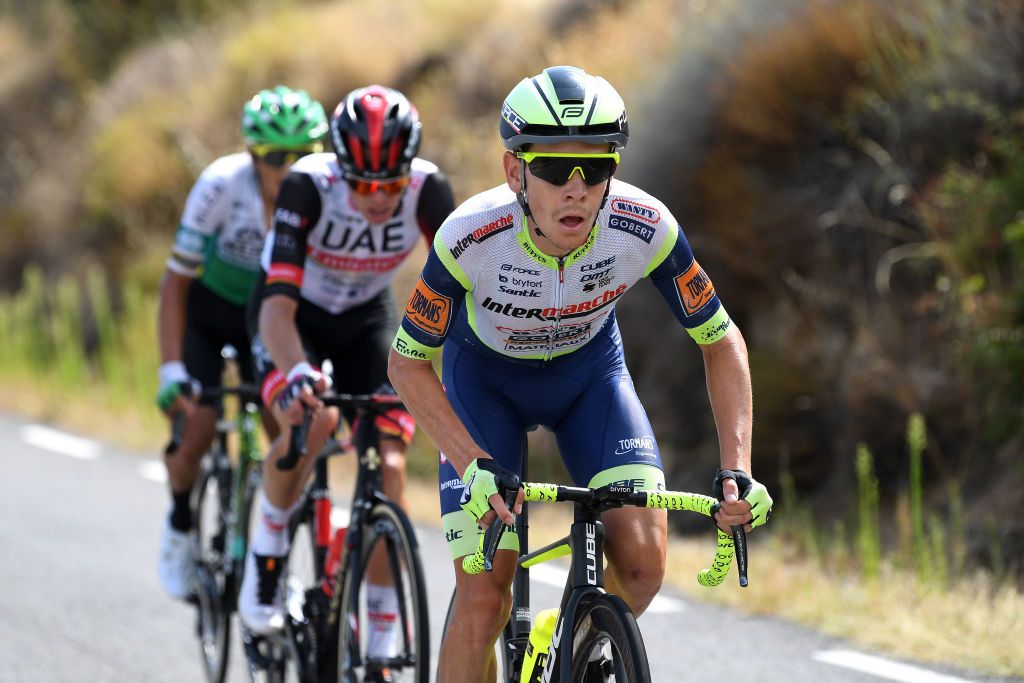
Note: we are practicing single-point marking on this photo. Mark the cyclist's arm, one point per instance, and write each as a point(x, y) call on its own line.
point(171, 315)
point(691, 295)
point(439, 292)
point(298, 209)
point(436, 201)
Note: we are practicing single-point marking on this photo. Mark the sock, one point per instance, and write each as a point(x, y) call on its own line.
point(181, 511)
point(382, 609)
point(271, 537)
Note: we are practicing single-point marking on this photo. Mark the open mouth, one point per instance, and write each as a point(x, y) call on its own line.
point(571, 222)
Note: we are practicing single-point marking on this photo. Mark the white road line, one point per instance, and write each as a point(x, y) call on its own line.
point(883, 668)
point(554, 575)
point(153, 470)
point(60, 442)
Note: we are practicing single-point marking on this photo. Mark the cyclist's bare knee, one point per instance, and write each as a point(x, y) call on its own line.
point(635, 546)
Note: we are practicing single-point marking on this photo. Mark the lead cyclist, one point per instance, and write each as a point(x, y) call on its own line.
point(520, 291)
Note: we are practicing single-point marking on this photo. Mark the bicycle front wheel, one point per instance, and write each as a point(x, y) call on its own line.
point(211, 493)
point(607, 645)
point(374, 640)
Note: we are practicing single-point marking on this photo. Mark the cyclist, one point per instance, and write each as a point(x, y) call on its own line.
point(212, 267)
point(344, 224)
point(522, 283)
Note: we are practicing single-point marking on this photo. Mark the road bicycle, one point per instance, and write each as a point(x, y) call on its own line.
point(594, 636)
point(327, 629)
point(222, 499)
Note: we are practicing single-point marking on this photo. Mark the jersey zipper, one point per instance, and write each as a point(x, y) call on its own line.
point(558, 308)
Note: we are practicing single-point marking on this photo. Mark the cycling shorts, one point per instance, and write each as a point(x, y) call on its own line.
point(586, 398)
point(211, 322)
point(357, 342)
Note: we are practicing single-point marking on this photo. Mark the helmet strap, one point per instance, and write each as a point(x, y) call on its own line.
point(521, 197)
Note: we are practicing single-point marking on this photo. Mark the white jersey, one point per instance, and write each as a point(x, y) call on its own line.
point(336, 257)
point(222, 228)
point(486, 274)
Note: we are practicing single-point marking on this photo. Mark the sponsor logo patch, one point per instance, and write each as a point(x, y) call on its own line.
point(428, 310)
point(641, 211)
point(695, 288)
point(284, 273)
point(633, 227)
point(482, 233)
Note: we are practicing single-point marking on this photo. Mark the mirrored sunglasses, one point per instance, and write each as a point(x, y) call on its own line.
point(558, 168)
point(389, 187)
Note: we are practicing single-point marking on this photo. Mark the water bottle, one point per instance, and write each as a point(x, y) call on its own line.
point(537, 648)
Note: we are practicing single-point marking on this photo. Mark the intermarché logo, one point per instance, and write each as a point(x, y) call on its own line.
point(481, 233)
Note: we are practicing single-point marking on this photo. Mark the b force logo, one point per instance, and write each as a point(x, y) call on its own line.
point(481, 233)
point(428, 310)
point(694, 288)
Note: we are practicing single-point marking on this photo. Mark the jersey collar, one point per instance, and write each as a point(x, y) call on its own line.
point(533, 251)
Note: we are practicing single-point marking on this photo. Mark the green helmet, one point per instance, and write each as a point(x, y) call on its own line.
point(283, 117)
point(563, 104)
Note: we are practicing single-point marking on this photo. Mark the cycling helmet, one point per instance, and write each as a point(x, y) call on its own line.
point(376, 133)
point(283, 117)
point(563, 104)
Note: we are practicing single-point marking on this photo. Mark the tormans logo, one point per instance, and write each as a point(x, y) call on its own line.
point(641, 211)
point(695, 288)
point(428, 310)
point(482, 233)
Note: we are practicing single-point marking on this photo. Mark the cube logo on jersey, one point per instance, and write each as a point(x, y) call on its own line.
point(428, 310)
point(694, 288)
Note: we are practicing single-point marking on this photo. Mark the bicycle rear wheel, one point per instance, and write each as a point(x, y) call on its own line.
point(386, 531)
point(212, 494)
point(607, 645)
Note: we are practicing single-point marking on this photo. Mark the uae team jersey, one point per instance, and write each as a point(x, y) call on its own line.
point(222, 229)
point(323, 249)
point(487, 286)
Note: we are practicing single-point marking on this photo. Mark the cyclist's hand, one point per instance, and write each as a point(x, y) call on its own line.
point(484, 485)
point(744, 500)
point(305, 383)
point(177, 390)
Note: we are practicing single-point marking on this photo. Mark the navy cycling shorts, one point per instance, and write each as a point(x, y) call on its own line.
point(586, 398)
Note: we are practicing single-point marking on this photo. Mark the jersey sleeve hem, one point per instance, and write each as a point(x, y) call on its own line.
point(713, 329)
point(404, 344)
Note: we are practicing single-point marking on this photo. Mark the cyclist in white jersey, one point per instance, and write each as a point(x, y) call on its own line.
point(344, 223)
point(520, 289)
point(203, 293)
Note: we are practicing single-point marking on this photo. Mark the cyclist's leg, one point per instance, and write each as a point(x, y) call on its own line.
point(259, 601)
point(606, 437)
point(482, 602)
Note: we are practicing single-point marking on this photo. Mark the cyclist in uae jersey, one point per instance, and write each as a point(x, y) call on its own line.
point(203, 292)
point(520, 289)
point(344, 224)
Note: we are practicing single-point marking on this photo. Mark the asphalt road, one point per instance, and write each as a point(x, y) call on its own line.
point(79, 600)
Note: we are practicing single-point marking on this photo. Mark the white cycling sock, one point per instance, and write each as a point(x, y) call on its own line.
point(271, 537)
point(382, 606)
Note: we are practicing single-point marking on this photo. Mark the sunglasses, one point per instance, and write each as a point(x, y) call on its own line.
point(558, 168)
point(367, 187)
point(281, 156)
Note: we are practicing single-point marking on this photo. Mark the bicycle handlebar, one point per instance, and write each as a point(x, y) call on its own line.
point(613, 496)
point(297, 443)
point(246, 392)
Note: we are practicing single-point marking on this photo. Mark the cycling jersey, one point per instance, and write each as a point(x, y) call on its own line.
point(322, 249)
point(222, 229)
point(528, 306)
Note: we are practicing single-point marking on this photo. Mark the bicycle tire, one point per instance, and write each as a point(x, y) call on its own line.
point(213, 627)
point(386, 524)
point(607, 645)
point(501, 649)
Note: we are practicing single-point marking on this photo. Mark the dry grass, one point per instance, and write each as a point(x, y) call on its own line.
point(972, 624)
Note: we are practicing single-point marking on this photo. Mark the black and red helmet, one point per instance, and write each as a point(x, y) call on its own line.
point(376, 133)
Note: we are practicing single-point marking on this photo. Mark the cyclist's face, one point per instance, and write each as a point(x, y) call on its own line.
point(564, 213)
point(270, 177)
